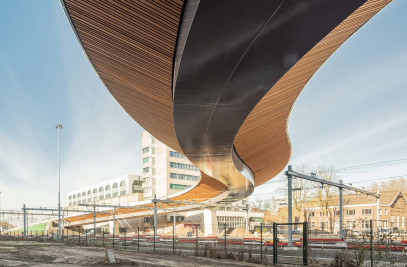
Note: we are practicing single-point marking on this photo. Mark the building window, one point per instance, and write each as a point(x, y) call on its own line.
point(146, 150)
point(176, 155)
point(179, 186)
point(146, 160)
point(146, 190)
point(145, 170)
point(115, 185)
point(101, 193)
point(183, 166)
point(337, 213)
point(107, 187)
point(184, 177)
point(366, 211)
point(122, 193)
point(122, 183)
point(350, 212)
point(385, 211)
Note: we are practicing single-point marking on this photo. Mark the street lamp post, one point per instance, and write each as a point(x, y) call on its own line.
point(59, 126)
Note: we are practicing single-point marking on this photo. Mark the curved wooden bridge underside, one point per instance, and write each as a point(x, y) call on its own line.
point(215, 80)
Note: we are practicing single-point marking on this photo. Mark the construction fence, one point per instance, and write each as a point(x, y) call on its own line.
point(303, 246)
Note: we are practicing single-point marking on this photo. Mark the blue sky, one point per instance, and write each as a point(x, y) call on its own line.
point(353, 111)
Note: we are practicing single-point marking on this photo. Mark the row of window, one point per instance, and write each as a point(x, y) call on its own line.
point(101, 190)
point(230, 221)
point(179, 186)
point(146, 150)
point(146, 160)
point(183, 166)
point(74, 201)
point(176, 155)
point(145, 170)
point(348, 213)
point(184, 177)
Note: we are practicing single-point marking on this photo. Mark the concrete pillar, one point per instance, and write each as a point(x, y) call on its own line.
point(210, 222)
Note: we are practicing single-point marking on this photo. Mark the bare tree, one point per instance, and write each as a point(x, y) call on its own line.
point(326, 195)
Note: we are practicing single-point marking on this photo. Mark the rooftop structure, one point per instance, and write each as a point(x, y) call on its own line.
point(108, 192)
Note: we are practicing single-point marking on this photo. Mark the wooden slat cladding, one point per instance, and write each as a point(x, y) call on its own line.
point(131, 45)
point(262, 142)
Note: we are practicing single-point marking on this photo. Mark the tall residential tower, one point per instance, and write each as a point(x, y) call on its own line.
point(165, 171)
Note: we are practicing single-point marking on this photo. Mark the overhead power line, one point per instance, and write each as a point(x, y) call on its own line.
point(374, 164)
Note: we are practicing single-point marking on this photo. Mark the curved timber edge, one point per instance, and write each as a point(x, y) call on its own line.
point(262, 142)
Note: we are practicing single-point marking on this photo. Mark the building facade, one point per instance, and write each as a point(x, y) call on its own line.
point(124, 189)
point(165, 171)
point(388, 213)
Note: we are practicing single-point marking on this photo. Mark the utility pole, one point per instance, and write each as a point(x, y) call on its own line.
point(94, 223)
point(341, 210)
point(59, 127)
point(290, 173)
point(290, 207)
point(155, 219)
point(174, 219)
point(25, 222)
point(247, 220)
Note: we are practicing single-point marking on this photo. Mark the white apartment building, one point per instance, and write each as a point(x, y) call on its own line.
point(108, 192)
point(165, 171)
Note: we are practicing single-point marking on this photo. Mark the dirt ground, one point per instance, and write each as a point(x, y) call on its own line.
point(29, 253)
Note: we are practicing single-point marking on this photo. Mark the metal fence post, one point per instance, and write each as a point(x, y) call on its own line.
point(225, 239)
point(275, 243)
point(371, 243)
point(103, 238)
point(290, 207)
point(305, 243)
point(79, 239)
point(125, 241)
point(261, 243)
point(113, 239)
point(138, 238)
point(173, 238)
point(86, 238)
